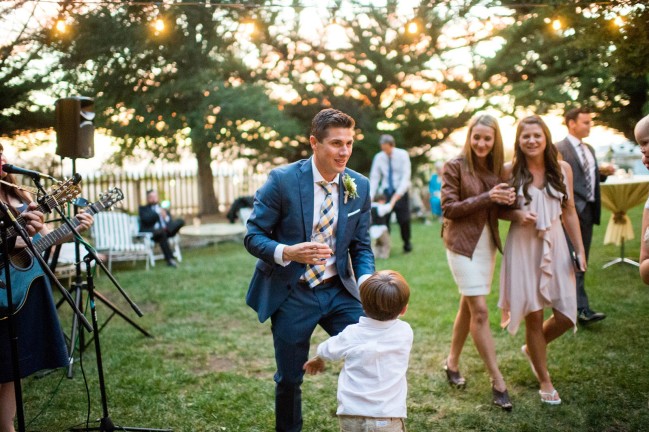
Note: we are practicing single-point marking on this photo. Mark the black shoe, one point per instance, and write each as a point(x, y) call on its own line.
point(172, 263)
point(407, 247)
point(587, 316)
point(501, 399)
point(454, 378)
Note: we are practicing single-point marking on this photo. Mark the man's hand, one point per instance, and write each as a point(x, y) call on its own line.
point(314, 366)
point(34, 219)
point(606, 169)
point(85, 220)
point(307, 253)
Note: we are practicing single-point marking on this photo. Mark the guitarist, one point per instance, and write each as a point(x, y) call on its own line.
point(40, 339)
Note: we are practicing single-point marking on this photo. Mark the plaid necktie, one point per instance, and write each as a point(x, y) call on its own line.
point(586, 166)
point(315, 272)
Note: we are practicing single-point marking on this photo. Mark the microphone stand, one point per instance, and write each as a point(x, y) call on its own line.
point(12, 324)
point(13, 334)
point(105, 423)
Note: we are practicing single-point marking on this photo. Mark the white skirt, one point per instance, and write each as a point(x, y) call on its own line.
point(473, 276)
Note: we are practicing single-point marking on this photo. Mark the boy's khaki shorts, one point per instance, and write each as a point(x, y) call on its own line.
point(371, 424)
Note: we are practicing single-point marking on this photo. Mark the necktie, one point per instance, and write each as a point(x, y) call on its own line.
point(163, 222)
point(390, 177)
point(587, 176)
point(315, 272)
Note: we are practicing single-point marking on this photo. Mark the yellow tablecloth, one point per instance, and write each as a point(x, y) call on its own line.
point(619, 194)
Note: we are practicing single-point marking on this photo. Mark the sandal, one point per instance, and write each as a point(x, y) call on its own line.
point(454, 378)
point(501, 399)
point(549, 397)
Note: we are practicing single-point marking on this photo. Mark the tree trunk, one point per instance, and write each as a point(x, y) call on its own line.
point(208, 201)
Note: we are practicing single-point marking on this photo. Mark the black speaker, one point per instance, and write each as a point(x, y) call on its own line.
point(75, 131)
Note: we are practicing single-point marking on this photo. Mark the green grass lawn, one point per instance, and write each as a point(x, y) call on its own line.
point(210, 365)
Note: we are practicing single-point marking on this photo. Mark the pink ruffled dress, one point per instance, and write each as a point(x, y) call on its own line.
point(537, 270)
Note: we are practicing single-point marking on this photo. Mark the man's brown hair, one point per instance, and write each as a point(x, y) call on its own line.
point(330, 118)
point(573, 113)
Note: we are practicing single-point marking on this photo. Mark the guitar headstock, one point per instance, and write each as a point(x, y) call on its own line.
point(110, 197)
point(66, 191)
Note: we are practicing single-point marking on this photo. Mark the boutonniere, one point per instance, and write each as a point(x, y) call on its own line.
point(350, 187)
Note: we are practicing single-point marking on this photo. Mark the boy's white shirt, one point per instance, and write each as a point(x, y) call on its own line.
point(382, 209)
point(372, 382)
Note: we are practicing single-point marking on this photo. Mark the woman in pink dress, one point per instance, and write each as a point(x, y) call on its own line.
point(472, 191)
point(537, 269)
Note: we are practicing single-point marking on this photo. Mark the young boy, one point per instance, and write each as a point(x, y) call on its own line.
point(372, 385)
point(379, 231)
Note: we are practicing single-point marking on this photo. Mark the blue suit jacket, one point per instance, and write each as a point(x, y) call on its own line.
point(283, 213)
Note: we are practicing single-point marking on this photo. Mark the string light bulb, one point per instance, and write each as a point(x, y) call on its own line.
point(158, 25)
point(556, 24)
point(618, 21)
point(60, 26)
point(248, 26)
point(412, 27)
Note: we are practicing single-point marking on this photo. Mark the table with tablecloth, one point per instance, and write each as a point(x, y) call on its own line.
point(619, 194)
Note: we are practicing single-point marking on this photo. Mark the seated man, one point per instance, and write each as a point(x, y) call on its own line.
point(238, 204)
point(157, 220)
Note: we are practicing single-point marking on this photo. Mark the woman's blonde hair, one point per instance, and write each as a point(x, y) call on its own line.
point(496, 156)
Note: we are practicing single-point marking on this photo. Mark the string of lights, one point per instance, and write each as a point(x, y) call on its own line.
point(412, 27)
point(249, 5)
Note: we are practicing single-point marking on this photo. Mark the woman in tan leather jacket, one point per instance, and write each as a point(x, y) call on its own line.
point(472, 191)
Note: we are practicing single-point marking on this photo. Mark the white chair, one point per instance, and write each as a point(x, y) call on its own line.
point(174, 243)
point(244, 214)
point(116, 235)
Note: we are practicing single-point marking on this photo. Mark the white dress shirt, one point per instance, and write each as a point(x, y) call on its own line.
point(318, 197)
point(594, 175)
point(401, 171)
point(372, 382)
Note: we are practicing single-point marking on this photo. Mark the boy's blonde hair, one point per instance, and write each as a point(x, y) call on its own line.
point(384, 295)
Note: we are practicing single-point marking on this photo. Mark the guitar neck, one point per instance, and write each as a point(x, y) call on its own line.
point(45, 207)
point(24, 257)
point(64, 230)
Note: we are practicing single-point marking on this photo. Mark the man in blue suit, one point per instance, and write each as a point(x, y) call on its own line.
point(299, 283)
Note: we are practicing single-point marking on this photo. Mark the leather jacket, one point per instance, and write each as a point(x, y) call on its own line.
point(466, 206)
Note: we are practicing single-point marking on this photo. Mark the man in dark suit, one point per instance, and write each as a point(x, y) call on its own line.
point(586, 177)
point(309, 229)
point(158, 220)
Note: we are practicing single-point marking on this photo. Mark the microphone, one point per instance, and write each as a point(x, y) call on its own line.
point(12, 169)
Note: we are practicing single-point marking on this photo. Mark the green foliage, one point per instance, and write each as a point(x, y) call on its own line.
point(210, 364)
point(187, 80)
point(21, 78)
point(388, 79)
point(590, 60)
point(184, 86)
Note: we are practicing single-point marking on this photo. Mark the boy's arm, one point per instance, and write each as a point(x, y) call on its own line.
point(333, 348)
point(314, 366)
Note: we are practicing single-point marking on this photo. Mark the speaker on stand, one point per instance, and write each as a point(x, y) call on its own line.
point(75, 138)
